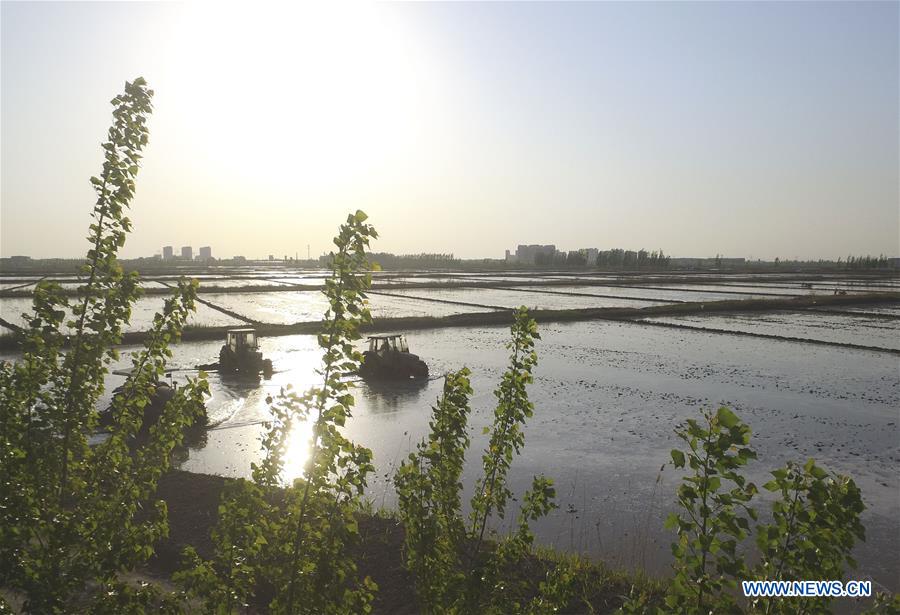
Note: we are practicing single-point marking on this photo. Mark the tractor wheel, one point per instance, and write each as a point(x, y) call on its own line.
point(420, 370)
point(267, 368)
point(226, 363)
point(369, 365)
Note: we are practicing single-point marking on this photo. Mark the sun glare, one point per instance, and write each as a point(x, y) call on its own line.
point(296, 452)
point(314, 93)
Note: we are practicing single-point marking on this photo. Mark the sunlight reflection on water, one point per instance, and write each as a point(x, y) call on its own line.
point(296, 452)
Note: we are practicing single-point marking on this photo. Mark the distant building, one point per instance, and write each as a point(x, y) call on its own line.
point(206, 253)
point(168, 253)
point(529, 254)
point(19, 259)
point(187, 253)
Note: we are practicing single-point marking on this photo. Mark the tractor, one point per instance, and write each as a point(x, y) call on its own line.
point(162, 392)
point(389, 358)
point(241, 354)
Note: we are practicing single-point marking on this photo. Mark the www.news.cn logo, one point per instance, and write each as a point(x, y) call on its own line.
point(806, 589)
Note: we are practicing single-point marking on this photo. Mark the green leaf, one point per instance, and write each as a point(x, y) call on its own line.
point(672, 521)
point(726, 417)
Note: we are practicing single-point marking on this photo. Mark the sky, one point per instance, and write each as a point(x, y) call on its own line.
point(748, 129)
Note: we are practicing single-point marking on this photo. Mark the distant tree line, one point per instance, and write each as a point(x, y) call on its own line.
point(73, 266)
point(631, 259)
point(24, 264)
point(866, 262)
point(615, 258)
point(550, 260)
point(851, 262)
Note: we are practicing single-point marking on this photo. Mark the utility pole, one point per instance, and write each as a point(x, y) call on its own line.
point(307, 251)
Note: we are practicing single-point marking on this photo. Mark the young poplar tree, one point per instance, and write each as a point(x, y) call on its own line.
point(294, 540)
point(461, 566)
point(714, 501)
point(68, 509)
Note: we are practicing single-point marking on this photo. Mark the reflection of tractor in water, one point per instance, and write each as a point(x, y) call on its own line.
point(241, 354)
point(388, 357)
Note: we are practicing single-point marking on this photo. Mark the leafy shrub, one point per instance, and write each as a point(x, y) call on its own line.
point(815, 525)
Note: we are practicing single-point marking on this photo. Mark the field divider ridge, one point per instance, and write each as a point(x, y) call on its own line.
point(221, 309)
point(768, 336)
point(504, 316)
point(599, 296)
point(448, 301)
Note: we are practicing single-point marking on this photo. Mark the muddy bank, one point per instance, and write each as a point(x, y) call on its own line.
point(193, 499)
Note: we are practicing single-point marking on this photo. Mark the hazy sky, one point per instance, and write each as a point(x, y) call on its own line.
point(748, 129)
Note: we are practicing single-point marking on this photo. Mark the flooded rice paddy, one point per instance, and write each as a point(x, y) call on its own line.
point(607, 397)
point(862, 329)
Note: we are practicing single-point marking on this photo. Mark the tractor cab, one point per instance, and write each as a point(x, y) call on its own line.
point(384, 343)
point(241, 353)
point(241, 340)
